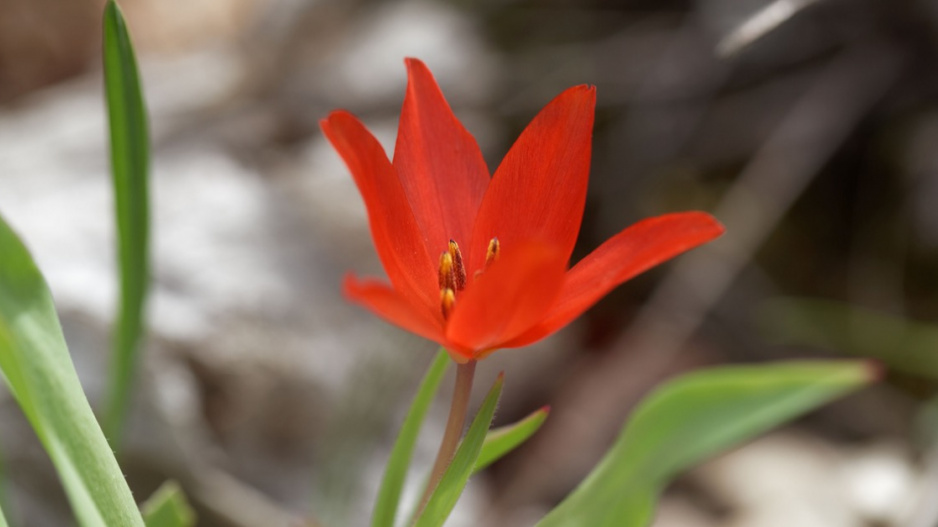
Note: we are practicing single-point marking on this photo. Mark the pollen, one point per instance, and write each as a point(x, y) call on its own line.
point(447, 301)
point(459, 268)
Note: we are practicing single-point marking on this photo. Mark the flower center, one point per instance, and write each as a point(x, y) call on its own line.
point(452, 273)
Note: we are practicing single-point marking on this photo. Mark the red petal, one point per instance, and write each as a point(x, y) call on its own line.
point(510, 297)
point(539, 190)
point(440, 164)
point(396, 234)
point(391, 306)
point(632, 251)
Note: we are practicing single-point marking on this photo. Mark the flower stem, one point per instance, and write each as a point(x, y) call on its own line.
point(454, 427)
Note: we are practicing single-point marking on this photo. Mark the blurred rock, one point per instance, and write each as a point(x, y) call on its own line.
point(45, 41)
point(679, 512)
point(173, 27)
point(793, 466)
point(789, 478)
point(880, 482)
point(367, 68)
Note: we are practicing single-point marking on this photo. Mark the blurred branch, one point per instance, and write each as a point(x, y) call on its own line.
point(239, 504)
point(760, 24)
point(602, 388)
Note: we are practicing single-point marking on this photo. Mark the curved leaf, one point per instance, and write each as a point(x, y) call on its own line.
point(503, 440)
point(691, 419)
point(167, 507)
point(42, 378)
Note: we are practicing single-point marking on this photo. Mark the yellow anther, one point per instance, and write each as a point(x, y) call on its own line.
point(447, 274)
point(458, 267)
point(491, 254)
point(447, 301)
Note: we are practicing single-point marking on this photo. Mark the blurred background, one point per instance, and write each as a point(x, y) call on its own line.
point(809, 127)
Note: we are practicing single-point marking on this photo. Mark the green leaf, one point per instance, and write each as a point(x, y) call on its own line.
point(691, 419)
point(37, 367)
point(903, 345)
point(167, 507)
point(396, 471)
point(4, 490)
point(130, 164)
point(503, 440)
point(454, 480)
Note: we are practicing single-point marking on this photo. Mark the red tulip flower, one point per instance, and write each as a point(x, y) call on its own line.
point(479, 262)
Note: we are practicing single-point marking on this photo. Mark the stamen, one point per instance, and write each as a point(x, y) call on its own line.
point(447, 301)
point(491, 254)
point(447, 276)
point(458, 266)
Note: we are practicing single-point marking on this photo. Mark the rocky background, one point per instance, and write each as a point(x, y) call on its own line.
point(809, 127)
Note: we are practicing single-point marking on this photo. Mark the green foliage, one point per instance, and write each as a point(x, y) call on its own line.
point(503, 440)
point(130, 163)
point(903, 345)
point(454, 480)
point(396, 471)
point(167, 507)
point(691, 419)
point(39, 372)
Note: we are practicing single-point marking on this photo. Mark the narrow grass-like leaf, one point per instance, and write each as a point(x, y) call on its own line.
point(37, 367)
point(691, 419)
point(4, 490)
point(3, 520)
point(130, 164)
point(454, 480)
point(903, 345)
point(503, 440)
point(396, 471)
point(167, 507)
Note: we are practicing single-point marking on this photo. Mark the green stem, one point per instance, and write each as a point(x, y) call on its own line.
point(454, 427)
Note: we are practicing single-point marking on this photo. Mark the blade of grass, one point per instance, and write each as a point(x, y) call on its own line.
point(4, 489)
point(454, 480)
point(389, 494)
point(690, 419)
point(40, 374)
point(130, 161)
point(501, 441)
point(167, 507)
